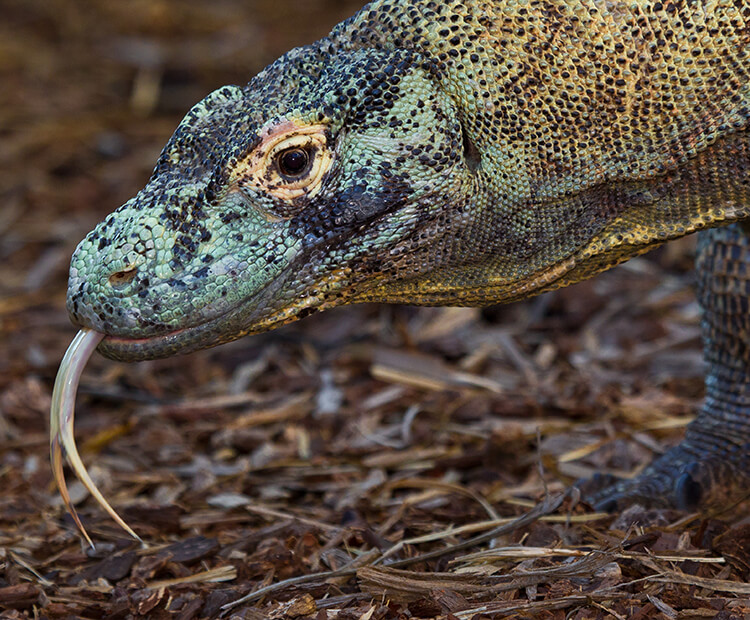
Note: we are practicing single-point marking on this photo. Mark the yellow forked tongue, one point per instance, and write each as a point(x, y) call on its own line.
point(61, 427)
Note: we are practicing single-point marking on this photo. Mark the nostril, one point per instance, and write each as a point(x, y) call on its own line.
point(121, 278)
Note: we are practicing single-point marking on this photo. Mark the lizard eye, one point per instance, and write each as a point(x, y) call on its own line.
point(294, 162)
point(291, 162)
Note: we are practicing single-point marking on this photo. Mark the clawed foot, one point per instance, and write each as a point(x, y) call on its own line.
point(681, 478)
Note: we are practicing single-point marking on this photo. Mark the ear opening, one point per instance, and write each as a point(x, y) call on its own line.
point(471, 153)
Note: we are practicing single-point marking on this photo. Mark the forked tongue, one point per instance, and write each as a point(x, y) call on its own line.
point(62, 414)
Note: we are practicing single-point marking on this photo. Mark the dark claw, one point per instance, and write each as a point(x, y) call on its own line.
point(687, 491)
point(601, 491)
point(596, 486)
point(607, 505)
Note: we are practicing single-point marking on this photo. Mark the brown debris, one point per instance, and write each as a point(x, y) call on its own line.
point(369, 463)
point(21, 596)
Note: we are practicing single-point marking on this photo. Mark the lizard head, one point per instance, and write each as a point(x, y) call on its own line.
point(302, 190)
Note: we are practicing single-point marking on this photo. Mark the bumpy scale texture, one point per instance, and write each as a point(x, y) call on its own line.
point(453, 152)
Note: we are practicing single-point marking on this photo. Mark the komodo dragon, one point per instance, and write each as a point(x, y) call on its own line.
point(455, 152)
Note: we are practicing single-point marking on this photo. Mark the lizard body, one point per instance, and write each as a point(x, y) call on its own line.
point(456, 152)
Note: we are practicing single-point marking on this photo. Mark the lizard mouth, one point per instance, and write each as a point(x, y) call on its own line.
point(178, 342)
point(152, 347)
point(235, 323)
point(216, 331)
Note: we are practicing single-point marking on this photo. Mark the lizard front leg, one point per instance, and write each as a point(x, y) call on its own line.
point(710, 468)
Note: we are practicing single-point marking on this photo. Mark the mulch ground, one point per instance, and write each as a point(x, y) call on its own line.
point(372, 462)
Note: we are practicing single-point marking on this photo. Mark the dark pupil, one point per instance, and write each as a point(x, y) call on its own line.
point(293, 161)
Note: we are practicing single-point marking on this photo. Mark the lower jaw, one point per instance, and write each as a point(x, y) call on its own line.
point(177, 342)
point(156, 347)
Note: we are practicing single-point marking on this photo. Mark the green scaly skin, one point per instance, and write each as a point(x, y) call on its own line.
point(461, 153)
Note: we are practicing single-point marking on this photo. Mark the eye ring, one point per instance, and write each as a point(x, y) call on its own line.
point(295, 162)
point(276, 165)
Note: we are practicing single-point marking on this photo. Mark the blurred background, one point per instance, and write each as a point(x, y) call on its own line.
point(319, 414)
